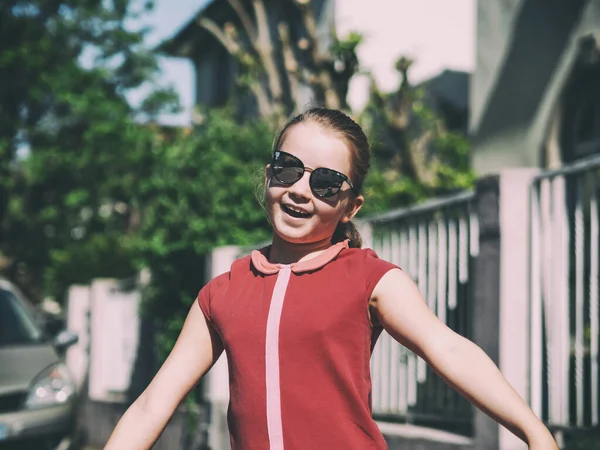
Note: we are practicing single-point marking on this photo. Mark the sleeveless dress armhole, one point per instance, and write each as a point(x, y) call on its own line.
point(375, 269)
point(207, 293)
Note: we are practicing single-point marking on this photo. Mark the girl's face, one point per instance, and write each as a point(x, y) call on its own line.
point(297, 215)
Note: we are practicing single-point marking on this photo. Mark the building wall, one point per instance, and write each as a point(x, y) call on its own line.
point(495, 19)
point(544, 127)
point(523, 62)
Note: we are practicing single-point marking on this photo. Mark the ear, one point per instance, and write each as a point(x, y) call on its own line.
point(353, 208)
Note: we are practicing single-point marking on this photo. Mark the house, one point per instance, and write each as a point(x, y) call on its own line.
point(535, 92)
point(215, 68)
point(535, 126)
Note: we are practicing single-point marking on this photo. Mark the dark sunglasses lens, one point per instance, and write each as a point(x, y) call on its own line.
point(325, 182)
point(286, 168)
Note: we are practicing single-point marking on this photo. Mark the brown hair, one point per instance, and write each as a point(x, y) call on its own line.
point(356, 140)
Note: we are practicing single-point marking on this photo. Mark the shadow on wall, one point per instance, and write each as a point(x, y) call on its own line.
point(539, 37)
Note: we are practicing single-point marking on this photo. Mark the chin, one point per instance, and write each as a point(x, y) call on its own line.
point(301, 236)
point(293, 236)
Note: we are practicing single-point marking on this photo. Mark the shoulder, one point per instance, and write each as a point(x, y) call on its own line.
point(367, 265)
point(238, 268)
point(210, 289)
point(365, 257)
point(221, 283)
point(241, 265)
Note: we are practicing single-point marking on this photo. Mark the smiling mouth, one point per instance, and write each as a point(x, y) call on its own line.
point(295, 212)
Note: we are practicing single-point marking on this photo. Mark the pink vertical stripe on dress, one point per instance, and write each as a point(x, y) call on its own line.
point(274, 425)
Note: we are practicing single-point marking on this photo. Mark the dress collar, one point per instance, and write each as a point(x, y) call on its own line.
point(263, 265)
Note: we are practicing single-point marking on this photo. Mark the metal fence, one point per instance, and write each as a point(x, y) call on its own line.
point(435, 244)
point(564, 264)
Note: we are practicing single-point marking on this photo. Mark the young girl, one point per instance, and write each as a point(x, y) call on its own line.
point(298, 319)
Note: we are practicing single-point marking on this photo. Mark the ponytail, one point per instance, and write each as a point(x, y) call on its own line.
point(347, 230)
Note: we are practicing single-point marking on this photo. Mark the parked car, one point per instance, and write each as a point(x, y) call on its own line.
point(37, 394)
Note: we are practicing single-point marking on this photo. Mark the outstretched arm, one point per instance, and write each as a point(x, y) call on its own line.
point(400, 308)
point(196, 349)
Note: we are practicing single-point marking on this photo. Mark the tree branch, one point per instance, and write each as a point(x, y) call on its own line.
point(264, 47)
point(264, 105)
point(227, 39)
point(310, 25)
point(245, 18)
point(290, 61)
point(210, 26)
point(322, 65)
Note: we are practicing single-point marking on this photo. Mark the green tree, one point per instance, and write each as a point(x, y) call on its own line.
point(205, 193)
point(415, 155)
point(277, 62)
point(71, 146)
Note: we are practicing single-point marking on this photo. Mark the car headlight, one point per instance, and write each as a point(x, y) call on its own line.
point(53, 386)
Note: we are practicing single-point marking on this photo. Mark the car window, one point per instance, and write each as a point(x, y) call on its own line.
point(16, 325)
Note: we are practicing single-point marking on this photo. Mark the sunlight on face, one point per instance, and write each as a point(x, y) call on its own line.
point(315, 147)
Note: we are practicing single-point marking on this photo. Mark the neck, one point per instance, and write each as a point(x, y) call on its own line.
point(284, 252)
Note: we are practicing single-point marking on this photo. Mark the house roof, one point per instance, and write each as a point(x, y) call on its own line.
point(538, 41)
point(450, 86)
point(189, 35)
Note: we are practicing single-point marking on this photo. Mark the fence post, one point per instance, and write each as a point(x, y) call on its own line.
point(78, 310)
point(501, 290)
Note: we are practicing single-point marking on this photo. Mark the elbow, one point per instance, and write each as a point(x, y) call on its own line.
point(145, 406)
point(142, 402)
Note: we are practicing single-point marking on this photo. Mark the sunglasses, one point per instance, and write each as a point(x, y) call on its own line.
point(324, 183)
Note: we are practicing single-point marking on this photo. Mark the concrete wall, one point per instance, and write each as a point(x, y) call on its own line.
point(525, 52)
point(495, 19)
point(408, 437)
point(547, 118)
point(100, 418)
point(114, 361)
point(501, 316)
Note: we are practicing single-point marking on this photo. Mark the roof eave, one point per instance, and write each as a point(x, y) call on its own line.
point(180, 44)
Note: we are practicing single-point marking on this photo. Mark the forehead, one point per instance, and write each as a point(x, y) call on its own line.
point(317, 147)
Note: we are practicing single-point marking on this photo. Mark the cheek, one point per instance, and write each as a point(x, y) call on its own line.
point(331, 213)
point(272, 196)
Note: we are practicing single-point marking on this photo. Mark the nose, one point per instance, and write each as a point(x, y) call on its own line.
point(301, 188)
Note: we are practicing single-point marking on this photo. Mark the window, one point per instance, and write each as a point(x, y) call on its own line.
point(585, 129)
point(16, 325)
point(580, 127)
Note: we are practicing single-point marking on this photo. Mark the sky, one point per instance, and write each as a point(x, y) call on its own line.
point(166, 19)
point(438, 34)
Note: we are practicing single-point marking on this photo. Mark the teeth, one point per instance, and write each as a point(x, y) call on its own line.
point(298, 211)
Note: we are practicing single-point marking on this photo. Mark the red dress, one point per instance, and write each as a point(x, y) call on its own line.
point(298, 341)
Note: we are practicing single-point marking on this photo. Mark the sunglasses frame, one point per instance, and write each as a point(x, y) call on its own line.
point(340, 175)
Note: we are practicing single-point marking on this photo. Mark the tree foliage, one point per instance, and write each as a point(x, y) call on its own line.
point(278, 62)
point(91, 186)
point(70, 143)
point(416, 156)
point(204, 193)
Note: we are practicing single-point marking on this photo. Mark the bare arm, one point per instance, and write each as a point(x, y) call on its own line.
point(461, 363)
point(196, 349)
